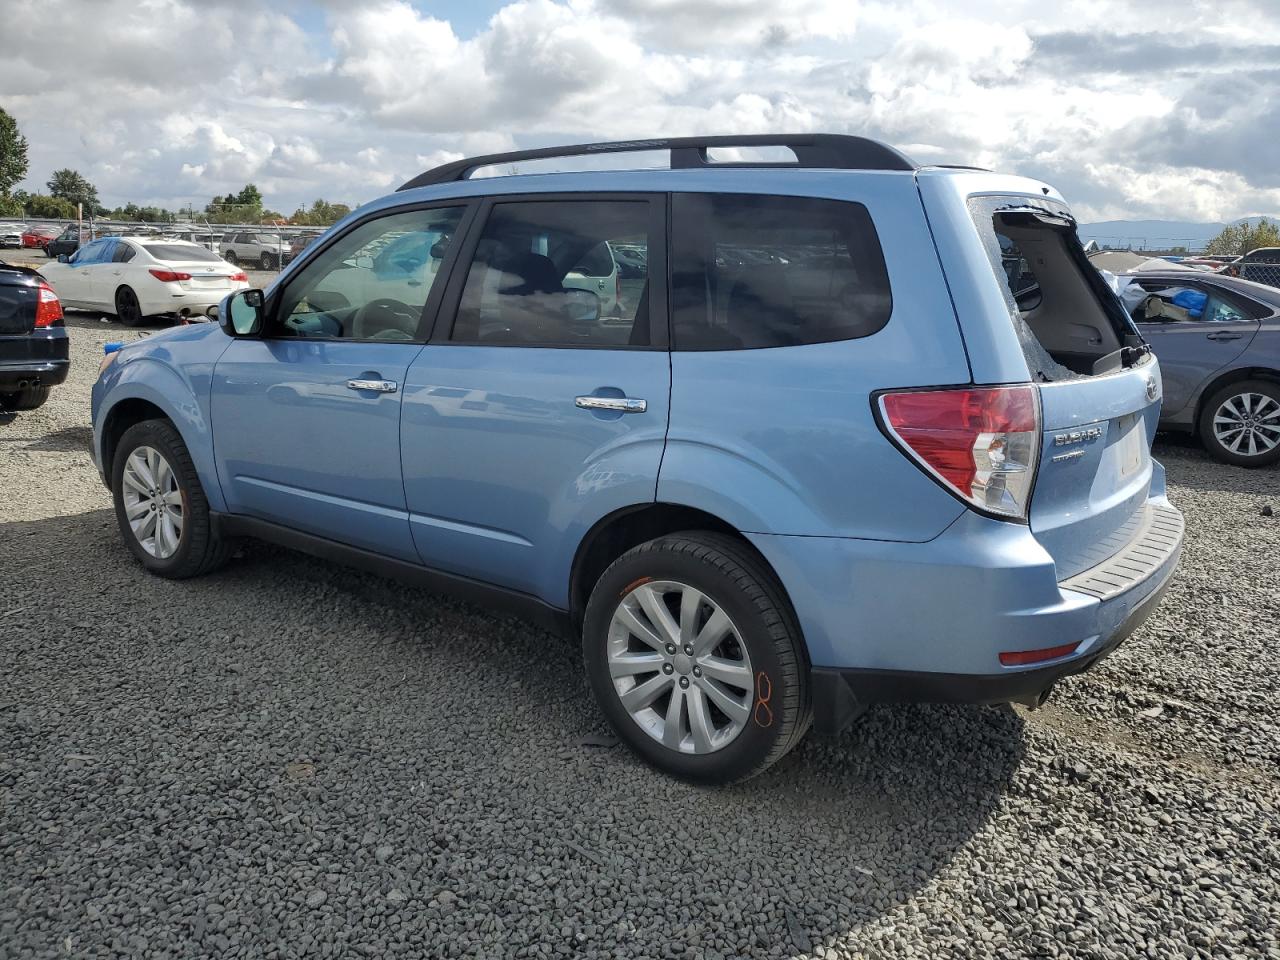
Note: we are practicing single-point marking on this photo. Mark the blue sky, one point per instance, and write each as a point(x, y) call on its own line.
point(1137, 109)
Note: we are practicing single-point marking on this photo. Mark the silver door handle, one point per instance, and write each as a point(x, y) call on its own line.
point(617, 404)
point(377, 386)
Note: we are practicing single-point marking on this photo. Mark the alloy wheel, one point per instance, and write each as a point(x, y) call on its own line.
point(153, 502)
point(679, 667)
point(1248, 424)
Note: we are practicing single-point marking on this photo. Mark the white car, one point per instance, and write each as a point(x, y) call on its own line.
point(11, 234)
point(139, 277)
point(264, 250)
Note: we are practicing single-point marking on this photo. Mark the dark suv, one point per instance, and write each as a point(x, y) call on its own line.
point(33, 342)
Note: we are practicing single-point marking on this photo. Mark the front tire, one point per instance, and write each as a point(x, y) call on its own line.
point(695, 658)
point(267, 261)
point(1240, 424)
point(161, 507)
point(128, 309)
point(28, 398)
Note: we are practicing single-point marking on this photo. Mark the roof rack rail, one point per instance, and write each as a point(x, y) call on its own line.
point(812, 150)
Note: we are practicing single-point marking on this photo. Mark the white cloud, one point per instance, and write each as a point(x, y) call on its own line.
point(178, 100)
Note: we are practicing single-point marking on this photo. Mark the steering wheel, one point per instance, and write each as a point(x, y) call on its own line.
point(386, 319)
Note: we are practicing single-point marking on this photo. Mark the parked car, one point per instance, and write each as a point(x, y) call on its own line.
point(38, 237)
point(140, 277)
point(300, 243)
point(11, 234)
point(65, 243)
point(1218, 342)
point(266, 250)
point(760, 507)
point(34, 349)
point(597, 273)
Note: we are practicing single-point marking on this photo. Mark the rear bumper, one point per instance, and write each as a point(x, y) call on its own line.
point(39, 358)
point(840, 695)
point(193, 301)
point(892, 622)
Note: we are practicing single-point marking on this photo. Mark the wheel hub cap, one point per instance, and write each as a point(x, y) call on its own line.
point(153, 502)
point(1248, 424)
point(679, 667)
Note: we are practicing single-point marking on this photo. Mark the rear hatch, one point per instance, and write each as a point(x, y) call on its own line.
point(1099, 384)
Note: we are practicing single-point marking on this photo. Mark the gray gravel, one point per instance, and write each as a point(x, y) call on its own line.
point(289, 758)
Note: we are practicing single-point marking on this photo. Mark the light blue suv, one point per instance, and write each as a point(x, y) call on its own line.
point(853, 431)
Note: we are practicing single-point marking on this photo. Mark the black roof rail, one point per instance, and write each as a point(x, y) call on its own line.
point(812, 150)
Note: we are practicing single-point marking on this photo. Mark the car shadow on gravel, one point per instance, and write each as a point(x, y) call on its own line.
point(404, 721)
point(66, 440)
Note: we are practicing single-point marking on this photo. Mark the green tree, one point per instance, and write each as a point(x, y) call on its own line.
point(321, 214)
point(39, 205)
point(1239, 238)
point(13, 154)
point(10, 207)
point(71, 186)
point(250, 196)
point(242, 207)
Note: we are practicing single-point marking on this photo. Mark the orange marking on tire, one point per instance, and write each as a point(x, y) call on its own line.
point(635, 583)
point(763, 713)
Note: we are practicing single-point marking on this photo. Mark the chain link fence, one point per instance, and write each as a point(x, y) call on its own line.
point(1259, 272)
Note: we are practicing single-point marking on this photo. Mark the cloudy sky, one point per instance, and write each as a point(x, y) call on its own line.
point(1166, 109)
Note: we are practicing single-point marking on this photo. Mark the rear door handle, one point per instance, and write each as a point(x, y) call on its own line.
point(1224, 335)
point(616, 404)
point(377, 386)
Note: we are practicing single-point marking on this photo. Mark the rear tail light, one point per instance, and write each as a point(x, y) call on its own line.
point(239, 276)
point(48, 308)
point(169, 276)
point(981, 443)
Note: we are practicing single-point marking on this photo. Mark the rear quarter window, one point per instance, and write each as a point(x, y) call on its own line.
point(751, 271)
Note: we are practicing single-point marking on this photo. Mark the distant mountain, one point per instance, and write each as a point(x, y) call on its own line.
point(1156, 234)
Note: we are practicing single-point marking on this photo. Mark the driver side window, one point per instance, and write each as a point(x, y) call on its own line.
point(373, 283)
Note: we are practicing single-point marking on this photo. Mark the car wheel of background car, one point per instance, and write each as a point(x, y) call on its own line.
point(127, 307)
point(231, 258)
point(160, 505)
point(1240, 423)
point(695, 658)
point(28, 398)
point(266, 261)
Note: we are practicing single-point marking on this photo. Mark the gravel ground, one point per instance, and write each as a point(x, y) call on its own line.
point(288, 758)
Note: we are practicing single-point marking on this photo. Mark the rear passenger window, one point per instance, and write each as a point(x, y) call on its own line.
point(544, 274)
point(756, 271)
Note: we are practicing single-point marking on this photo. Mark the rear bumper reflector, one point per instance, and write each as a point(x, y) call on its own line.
point(1020, 658)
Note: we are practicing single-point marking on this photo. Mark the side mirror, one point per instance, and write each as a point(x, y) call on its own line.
point(63, 258)
point(439, 249)
point(240, 314)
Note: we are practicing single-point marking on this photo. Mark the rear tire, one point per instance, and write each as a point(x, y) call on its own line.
point(1242, 417)
point(163, 465)
point(28, 398)
point(128, 309)
point(764, 691)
